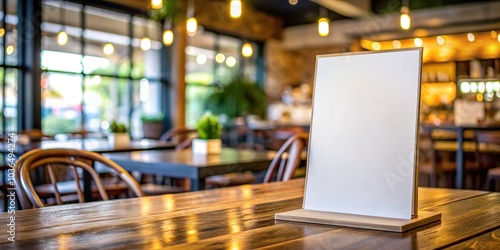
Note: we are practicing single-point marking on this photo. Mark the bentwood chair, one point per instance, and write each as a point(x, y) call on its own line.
point(282, 167)
point(75, 160)
point(489, 159)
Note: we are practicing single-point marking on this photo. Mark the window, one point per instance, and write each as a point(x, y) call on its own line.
point(105, 71)
point(11, 65)
point(213, 59)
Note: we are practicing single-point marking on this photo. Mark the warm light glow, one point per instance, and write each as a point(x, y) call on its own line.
point(293, 2)
point(108, 49)
point(62, 38)
point(191, 26)
point(396, 44)
point(481, 87)
point(219, 58)
point(230, 61)
point(404, 19)
point(440, 40)
point(498, 37)
point(418, 42)
point(145, 43)
point(156, 4)
point(235, 8)
point(376, 46)
point(10, 49)
point(465, 87)
point(479, 97)
point(473, 87)
point(471, 37)
point(201, 59)
point(2, 32)
point(493, 34)
point(323, 26)
point(489, 87)
point(247, 50)
point(168, 37)
point(496, 86)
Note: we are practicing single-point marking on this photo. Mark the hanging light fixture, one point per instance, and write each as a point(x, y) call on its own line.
point(168, 35)
point(323, 23)
point(191, 23)
point(156, 4)
point(247, 50)
point(108, 49)
point(145, 41)
point(62, 36)
point(404, 19)
point(235, 8)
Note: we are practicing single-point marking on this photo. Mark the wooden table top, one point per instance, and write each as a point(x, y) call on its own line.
point(243, 218)
point(186, 157)
point(98, 145)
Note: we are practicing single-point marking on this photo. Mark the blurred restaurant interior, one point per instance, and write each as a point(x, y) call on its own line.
point(76, 70)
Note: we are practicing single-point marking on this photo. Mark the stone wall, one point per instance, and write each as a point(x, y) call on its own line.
point(291, 67)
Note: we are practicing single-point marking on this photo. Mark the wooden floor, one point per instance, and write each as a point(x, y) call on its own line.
point(243, 218)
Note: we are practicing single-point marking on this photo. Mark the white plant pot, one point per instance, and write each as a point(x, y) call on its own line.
point(201, 146)
point(118, 138)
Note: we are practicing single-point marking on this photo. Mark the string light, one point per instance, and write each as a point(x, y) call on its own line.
point(191, 23)
point(293, 2)
point(471, 37)
point(108, 49)
point(405, 19)
point(219, 58)
point(323, 23)
point(10, 49)
point(2, 32)
point(145, 43)
point(440, 40)
point(396, 44)
point(156, 4)
point(247, 50)
point(235, 8)
point(168, 37)
point(62, 38)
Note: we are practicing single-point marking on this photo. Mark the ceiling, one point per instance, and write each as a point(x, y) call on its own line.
point(308, 11)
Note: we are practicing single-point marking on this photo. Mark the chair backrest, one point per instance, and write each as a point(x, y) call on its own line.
point(488, 139)
point(21, 194)
point(73, 159)
point(287, 159)
point(178, 134)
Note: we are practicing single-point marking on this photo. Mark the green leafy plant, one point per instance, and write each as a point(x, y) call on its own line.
point(171, 11)
point(238, 98)
point(117, 127)
point(158, 117)
point(209, 127)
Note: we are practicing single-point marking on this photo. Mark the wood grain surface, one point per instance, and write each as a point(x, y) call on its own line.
point(242, 218)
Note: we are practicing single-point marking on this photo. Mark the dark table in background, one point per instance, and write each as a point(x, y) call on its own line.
point(242, 217)
point(460, 144)
point(185, 164)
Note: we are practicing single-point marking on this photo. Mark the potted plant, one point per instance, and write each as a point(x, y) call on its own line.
point(209, 131)
point(118, 133)
point(238, 98)
point(152, 125)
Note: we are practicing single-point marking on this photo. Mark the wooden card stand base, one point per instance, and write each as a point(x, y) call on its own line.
point(360, 221)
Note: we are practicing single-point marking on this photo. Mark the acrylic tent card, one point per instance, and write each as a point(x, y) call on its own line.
point(363, 142)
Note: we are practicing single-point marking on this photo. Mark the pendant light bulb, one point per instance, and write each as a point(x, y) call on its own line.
point(405, 19)
point(191, 26)
point(247, 50)
point(62, 38)
point(235, 8)
point(145, 43)
point(156, 4)
point(168, 37)
point(108, 49)
point(323, 26)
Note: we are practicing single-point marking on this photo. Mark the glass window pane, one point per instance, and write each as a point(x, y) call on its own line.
point(146, 54)
point(60, 16)
point(195, 98)
point(61, 103)
point(11, 99)
point(11, 34)
point(146, 100)
point(105, 99)
point(106, 43)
